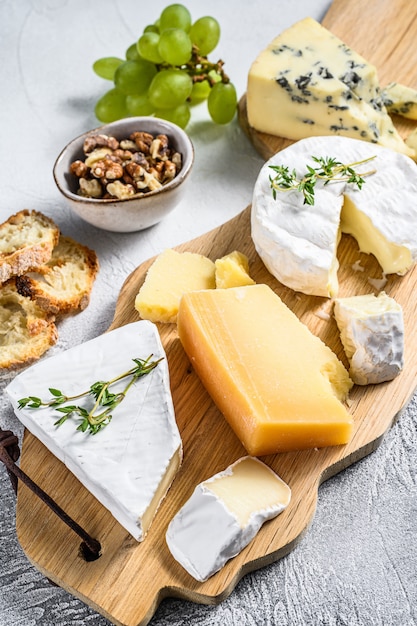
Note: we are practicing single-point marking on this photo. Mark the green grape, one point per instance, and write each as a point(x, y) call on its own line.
point(106, 67)
point(222, 103)
point(200, 92)
point(151, 28)
point(169, 88)
point(179, 115)
point(134, 77)
point(111, 107)
point(175, 46)
point(205, 34)
point(148, 47)
point(139, 105)
point(132, 53)
point(175, 16)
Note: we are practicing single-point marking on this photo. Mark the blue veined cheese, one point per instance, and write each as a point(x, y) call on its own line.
point(130, 464)
point(298, 242)
point(401, 100)
point(307, 82)
point(372, 333)
point(224, 514)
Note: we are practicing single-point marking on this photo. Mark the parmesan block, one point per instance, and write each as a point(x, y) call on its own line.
point(279, 386)
point(372, 333)
point(307, 82)
point(172, 274)
point(130, 464)
point(224, 514)
point(232, 270)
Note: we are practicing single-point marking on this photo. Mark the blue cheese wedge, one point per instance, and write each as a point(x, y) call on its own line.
point(130, 464)
point(372, 333)
point(298, 242)
point(224, 514)
point(307, 82)
point(401, 100)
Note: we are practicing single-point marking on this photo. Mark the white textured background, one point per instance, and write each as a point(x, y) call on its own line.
point(357, 564)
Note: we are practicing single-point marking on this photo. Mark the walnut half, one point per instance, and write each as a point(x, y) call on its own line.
point(119, 169)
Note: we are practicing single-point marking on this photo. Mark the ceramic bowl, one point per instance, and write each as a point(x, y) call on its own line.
point(138, 212)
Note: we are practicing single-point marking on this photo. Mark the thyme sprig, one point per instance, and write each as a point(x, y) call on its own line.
point(105, 401)
point(329, 170)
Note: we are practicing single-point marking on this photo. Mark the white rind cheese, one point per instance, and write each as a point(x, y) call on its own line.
point(298, 242)
point(307, 82)
point(372, 333)
point(224, 514)
point(129, 464)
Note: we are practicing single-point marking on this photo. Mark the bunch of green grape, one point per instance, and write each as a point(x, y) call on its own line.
point(167, 71)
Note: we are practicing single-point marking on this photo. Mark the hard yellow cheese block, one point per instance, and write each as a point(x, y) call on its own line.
point(172, 274)
point(279, 386)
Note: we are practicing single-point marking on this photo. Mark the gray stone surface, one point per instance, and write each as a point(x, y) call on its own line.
point(356, 565)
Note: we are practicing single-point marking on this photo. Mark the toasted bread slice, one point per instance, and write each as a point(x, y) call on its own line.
point(63, 284)
point(26, 242)
point(26, 331)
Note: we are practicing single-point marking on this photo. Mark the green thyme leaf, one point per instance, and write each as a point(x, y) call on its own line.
point(96, 418)
point(328, 170)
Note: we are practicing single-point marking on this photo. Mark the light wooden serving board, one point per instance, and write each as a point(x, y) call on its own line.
point(129, 580)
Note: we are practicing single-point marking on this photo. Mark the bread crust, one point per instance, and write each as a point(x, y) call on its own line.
point(27, 240)
point(26, 331)
point(64, 283)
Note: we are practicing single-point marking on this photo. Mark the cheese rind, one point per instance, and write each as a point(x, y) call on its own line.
point(298, 242)
point(279, 386)
point(307, 82)
point(224, 514)
point(372, 333)
point(130, 464)
point(172, 274)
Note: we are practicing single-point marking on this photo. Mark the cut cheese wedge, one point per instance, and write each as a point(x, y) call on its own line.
point(298, 242)
point(279, 386)
point(172, 274)
point(224, 514)
point(372, 333)
point(130, 464)
point(232, 270)
point(307, 82)
point(401, 100)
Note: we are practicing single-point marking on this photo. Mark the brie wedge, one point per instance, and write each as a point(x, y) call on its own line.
point(298, 242)
point(372, 333)
point(224, 514)
point(130, 464)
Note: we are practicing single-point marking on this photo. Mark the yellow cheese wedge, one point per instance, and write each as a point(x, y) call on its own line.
point(232, 270)
point(279, 386)
point(170, 276)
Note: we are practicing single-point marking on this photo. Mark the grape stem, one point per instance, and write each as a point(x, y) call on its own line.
point(200, 69)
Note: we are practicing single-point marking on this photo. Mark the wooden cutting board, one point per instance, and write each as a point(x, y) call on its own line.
point(129, 580)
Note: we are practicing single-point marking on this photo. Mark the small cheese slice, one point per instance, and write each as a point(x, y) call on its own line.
point(279, 386)
point(130, 464)
point(307, 82)
point(298, 242)
point(224, 514)
point(172, 274)
point(372, 333)
point(401, 100)
point(232, 270)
